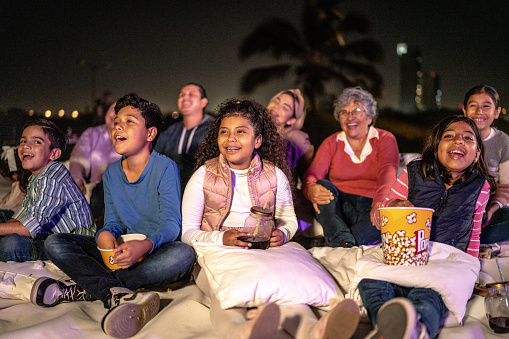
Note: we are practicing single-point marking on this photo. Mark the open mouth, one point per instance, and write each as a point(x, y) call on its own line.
point(119, 138)
point(27, 156)
point(457, 153)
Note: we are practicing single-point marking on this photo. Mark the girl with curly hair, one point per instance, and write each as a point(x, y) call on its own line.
point(243, 164)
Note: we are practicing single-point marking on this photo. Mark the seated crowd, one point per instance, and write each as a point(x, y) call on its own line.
point(197, 182)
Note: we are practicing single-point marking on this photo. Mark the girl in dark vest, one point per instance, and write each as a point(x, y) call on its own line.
point(452, 178)
point(242, 164)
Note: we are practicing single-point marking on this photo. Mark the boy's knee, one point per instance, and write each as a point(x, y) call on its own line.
point(14, 247)
point(53, 243)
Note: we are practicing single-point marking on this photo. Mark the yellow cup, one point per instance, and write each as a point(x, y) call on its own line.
point(405, 235)
point(109, 256)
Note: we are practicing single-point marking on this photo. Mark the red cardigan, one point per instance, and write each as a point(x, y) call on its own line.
point(372, 178)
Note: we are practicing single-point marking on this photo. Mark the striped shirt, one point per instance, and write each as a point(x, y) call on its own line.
point(54, 204)
point(399, 191)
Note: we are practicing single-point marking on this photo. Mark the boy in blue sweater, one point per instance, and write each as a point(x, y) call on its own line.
point(141, 195)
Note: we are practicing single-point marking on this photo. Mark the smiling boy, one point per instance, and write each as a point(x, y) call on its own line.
point(142, 195)
point(53, 203)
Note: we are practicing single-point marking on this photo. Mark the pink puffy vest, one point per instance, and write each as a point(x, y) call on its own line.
point(217, 189)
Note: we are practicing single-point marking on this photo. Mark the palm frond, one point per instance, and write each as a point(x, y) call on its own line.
point(276, 36)
point(259, 76)
point(368, 49)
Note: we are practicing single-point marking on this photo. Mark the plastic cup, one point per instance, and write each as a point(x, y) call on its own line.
point(109, 256)
point(405, 235)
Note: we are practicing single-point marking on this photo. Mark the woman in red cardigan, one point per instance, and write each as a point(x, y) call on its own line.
point(351, 169)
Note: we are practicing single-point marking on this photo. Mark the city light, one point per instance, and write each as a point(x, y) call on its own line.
point(74, 114)
point(47, 114)
point(61, 113)
point(31, 112)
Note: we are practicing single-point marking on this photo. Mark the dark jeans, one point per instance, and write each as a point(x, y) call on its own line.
point(78, 257)
point(346, 218)
point(428, 303)
point(498, 229)
point(15, 247)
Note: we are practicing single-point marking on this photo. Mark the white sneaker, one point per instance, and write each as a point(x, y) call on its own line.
point(129, 312)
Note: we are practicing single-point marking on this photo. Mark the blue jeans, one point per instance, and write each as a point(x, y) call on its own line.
point(78, 257)
point(498, 229)
point(15, 247)
point(428, 303)
point(346, 218)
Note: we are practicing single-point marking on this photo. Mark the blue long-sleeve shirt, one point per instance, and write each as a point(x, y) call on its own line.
point(150, 205)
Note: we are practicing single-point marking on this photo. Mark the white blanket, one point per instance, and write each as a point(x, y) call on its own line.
point(449, 271)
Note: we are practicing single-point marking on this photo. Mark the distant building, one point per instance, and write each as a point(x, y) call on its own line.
point(419, 91)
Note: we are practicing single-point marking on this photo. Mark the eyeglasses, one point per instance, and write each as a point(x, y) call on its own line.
point(356, 112)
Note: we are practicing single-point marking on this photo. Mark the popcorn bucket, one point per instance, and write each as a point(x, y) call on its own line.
point(405, 235)
point(109, 256)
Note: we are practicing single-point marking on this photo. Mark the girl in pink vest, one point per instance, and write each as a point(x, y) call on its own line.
point(242, 164)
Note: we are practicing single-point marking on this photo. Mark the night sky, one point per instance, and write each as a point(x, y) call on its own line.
point(156, 47)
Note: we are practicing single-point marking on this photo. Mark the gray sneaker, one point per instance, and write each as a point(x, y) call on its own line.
point(50, 292)
point(129, 312)
point(397, 319)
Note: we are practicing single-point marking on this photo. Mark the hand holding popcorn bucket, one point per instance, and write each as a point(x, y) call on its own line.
point(405, 235)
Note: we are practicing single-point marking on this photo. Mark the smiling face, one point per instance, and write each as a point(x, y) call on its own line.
point(35, 149)
point(109, 118)
point(282, 109)
point(355, 127)
point(190, 100)
point(237, 141)
point(481, 108)
point(458, 148)
point(130, 136)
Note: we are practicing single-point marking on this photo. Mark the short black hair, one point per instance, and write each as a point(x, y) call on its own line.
point(149, 111)
point(57, 138)
point(203, 93)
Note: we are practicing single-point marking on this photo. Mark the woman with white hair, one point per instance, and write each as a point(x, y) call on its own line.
point(360, 164)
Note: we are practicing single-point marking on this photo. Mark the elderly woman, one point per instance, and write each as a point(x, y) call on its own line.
point(360, 163)
point(288, 110)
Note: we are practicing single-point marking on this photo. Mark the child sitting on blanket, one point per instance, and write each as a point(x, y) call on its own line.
point(241, 162)
point(141, 195)
point(452, 178)
point(12, 170)
point(53, 202)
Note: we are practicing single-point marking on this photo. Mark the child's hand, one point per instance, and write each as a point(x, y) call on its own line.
point(489, 213)
point(401, 203)
point(230, 238)
point(130, 252)
point(277, 238)
point(106, 240)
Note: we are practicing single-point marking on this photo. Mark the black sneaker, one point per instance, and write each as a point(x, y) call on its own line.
point(49, 292)
point(129, 312)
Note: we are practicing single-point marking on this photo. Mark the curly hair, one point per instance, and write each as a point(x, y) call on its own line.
point(272, 148)
point(430, 154)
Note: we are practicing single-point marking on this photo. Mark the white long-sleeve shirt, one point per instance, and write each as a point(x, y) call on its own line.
point(193, 201)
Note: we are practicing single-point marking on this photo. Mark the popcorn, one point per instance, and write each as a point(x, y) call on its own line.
point(401, 249)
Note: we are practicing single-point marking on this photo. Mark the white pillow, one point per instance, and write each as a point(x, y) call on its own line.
point(248, 278)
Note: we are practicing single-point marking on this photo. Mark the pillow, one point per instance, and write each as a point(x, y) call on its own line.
point(248, 278)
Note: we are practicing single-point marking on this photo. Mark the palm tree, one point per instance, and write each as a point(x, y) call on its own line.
point(318, 54)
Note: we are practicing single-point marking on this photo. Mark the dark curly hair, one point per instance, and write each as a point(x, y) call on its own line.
point(22, 174)
point(430, 154)
point(272, 148)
